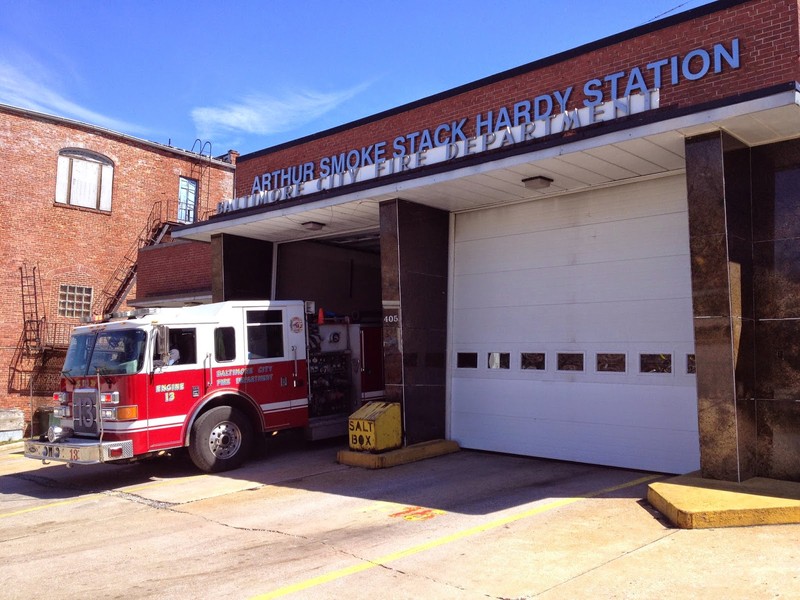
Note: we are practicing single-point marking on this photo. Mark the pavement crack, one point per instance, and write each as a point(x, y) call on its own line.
point(608, 562)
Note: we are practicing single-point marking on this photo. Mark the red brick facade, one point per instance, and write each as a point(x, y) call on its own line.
point(767, 30)
point(78, 246)
point(179, 269)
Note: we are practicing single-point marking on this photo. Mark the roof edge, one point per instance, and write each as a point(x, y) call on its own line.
point(26, 112)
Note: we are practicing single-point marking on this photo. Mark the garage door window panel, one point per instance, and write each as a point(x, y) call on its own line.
point(569, 361)
point(533, 361)
point(655, 363)
point(610, 362)
point(499, 360)
point(467, 360)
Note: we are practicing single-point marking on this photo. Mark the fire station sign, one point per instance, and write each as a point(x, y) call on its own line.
point(607, 98)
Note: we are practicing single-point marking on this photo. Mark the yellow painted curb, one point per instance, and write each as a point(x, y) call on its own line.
point(695, 503)
point(400, 456)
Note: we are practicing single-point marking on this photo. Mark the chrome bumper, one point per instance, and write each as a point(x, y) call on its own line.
point(79, 452)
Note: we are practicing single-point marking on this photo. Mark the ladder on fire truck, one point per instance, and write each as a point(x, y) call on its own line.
point(117, 286)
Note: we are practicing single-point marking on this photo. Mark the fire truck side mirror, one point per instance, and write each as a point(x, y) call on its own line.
point(162, 346)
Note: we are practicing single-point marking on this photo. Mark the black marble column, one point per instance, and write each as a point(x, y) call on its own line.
point(744, 223)
point(776, 256)
point(414, 248)
point(718, 186)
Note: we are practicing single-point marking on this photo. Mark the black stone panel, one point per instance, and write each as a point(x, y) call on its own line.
point(424, 240)
point(776, 191)
point(423, 356)
point(709, 262)
point(424, 300)
point(737, 189)
point(747, 431)
point(740, 278)
point(743, 344)
point(718, 438)
point(777, 359)
point(705, 185)
point(392, 357)
point(778, 439)
point(715, 374)
point(424, 413)
point(390, 260)
point(777, 278)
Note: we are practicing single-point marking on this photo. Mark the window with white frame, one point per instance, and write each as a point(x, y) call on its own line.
point(187, 200)
point(84, 179)
point(74, 301)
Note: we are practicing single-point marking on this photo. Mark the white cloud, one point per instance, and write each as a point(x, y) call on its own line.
point(267, 115)
point(26, 84)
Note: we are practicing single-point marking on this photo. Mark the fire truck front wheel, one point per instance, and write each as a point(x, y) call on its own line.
point(220, 440)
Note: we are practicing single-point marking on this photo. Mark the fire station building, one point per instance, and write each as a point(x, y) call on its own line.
point(593, 257)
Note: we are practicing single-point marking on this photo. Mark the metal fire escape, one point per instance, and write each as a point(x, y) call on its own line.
point(30, 361)
point(117, 286)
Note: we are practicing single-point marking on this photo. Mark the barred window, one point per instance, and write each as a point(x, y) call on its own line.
point(74, 301)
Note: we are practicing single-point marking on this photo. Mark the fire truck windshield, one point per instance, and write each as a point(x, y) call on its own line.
point(105, 352)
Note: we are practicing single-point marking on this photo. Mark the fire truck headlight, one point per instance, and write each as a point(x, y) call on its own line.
point(64, 412)
point(120, 413)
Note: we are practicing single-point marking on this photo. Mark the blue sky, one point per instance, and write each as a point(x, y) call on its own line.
point(249, 74)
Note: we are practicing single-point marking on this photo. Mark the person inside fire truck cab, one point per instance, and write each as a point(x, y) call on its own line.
point(173, 358)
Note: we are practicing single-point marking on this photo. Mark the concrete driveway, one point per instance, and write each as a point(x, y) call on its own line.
point(294, 523)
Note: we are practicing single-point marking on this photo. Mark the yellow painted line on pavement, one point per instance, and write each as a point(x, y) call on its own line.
point(48, 505)
point(127, 490)
point(459, 535)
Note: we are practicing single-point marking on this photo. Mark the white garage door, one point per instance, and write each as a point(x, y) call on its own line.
point(572, 332)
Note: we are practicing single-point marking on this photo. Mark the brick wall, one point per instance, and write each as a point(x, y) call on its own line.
point(768, 33)
point(73, 245)
point(176, 268)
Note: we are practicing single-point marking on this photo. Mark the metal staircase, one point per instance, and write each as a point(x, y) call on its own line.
point(117, 286)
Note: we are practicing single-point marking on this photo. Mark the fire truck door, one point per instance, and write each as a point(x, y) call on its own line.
point(177, 384)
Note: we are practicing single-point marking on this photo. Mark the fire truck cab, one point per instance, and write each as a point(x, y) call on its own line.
point(209, 378)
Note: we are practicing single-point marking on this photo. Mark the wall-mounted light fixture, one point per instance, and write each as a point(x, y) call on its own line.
point(313, 225)
point(537, 183)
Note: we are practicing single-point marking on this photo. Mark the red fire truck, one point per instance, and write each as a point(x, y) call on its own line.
point(208, 377)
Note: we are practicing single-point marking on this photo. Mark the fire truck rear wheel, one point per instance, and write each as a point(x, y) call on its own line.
point(221, 439)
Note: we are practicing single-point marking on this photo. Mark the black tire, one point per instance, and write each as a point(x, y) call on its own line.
point(220, 440)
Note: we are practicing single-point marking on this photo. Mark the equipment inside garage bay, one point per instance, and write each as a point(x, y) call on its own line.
point(345, 370)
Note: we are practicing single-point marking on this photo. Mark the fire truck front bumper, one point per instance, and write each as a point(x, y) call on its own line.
point(78, 451)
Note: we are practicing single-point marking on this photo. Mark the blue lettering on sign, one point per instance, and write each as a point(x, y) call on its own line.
point(532, 117)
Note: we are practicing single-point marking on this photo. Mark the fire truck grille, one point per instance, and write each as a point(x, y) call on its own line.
point(84, 411)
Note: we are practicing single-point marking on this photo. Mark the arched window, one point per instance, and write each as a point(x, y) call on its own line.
point(84, 179)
